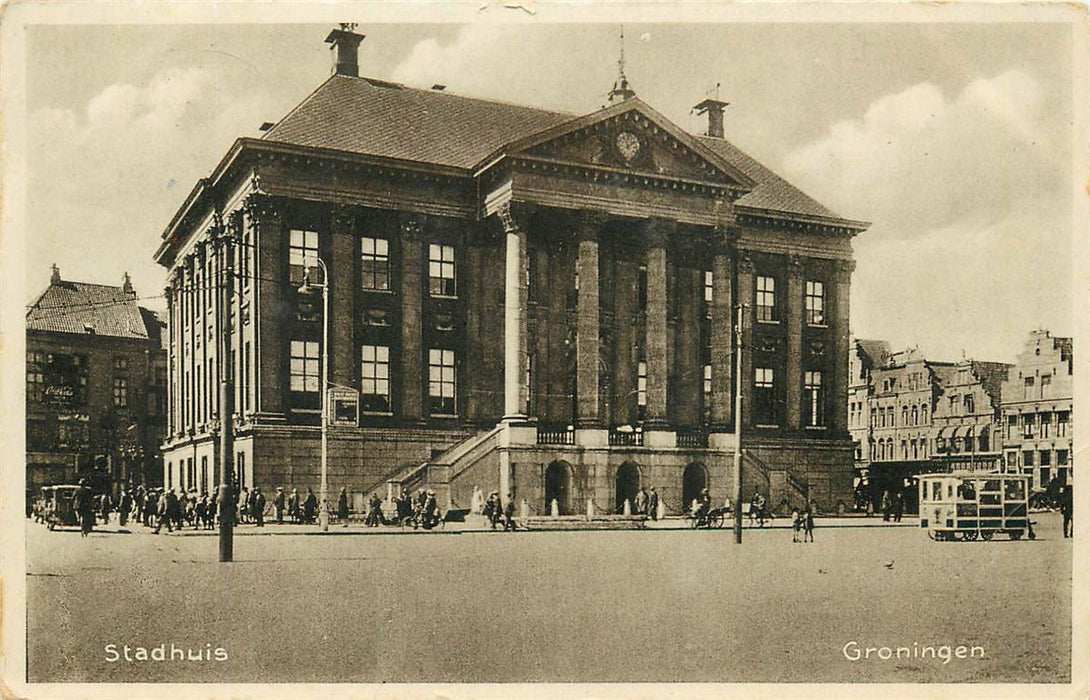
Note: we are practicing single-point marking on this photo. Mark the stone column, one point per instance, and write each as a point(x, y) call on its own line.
point(586, 341)
point(746, 281)
point(722, 337)
point(272, 304)
point(344, 250)
point(411, 369)
point(686, 399)
point(472, 375)
point(514, 316)
point(794, 342)
point(656, 234)
point(625, 295)
point(834, 399)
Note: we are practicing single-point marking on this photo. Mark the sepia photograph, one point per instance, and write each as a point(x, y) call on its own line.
point(537, 350)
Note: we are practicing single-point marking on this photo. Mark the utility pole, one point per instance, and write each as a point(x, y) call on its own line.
point(227, 409)
point(738, 425)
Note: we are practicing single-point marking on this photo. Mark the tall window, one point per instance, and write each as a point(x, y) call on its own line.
point(814, 399)
point(35, 376)
point(815, 303)
point(121, 392)
point(642, 284)
point(904, 415)
point(1061, 423)
point(305, 362)
point(441, 270)
point(375, 378)
point(1028, 421)
point(1027, 392)
point(441, 381)
point(302, 253)
point(1046, 424)
point(707, 392)
point(641, 390)
point(764, 396)
point(915, 416)
point(203, 484)
point(968, 401)
point(709, 290)
point(766, 298)
point(375, 263)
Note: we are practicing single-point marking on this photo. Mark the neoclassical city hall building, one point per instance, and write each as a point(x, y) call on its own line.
point(537, 303)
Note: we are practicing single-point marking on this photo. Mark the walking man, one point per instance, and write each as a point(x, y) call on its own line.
point(84, 505)
point(342, 507)
point(278, 504)
point(1066, 506)
point(653, 503)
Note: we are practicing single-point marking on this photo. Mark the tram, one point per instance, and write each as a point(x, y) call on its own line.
point(966, 506)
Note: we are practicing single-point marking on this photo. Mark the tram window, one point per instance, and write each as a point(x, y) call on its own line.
point(989, 499)
point(967, 491)
point(991, 485)
point(936, 491)
point(949, 491)
point(1015, 490)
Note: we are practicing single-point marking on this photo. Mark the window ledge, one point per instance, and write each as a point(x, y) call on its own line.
point(817, 325)
point(444, 296)
point(379, 414)
point(768, 323)
point(766, 425)
point(817, 427)
point(369, 290)
point(444, 415)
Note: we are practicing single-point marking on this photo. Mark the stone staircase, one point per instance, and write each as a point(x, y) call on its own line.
point(784, 487)
point(440, 472)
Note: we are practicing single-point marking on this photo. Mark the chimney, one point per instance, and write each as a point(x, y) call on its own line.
point(714, 108)
point(346, 43)
point(126, 285)
point(55, 278)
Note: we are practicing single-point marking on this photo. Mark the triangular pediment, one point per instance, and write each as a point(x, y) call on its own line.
point(630, 136)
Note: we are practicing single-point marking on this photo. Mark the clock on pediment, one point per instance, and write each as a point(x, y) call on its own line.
point(628, 146)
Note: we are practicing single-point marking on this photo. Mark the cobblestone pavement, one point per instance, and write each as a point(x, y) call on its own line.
point(639, 605)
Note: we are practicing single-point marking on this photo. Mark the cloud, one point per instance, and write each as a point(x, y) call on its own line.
point(969, 199)
point(108, 175)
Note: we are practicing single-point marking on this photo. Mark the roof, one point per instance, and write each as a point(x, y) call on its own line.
point(772, 193)
point(877, 351)
point(82, 307)
point(383, 119)
point(389, 120)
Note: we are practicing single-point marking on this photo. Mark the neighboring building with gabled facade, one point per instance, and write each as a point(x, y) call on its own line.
point(95, 386)
point(521, 300)
point(1038, 410)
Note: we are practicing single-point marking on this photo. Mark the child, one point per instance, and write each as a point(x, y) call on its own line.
point(796, 524)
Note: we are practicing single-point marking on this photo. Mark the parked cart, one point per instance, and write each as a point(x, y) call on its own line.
point(970, 505)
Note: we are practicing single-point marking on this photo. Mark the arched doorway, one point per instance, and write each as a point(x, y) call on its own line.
point(628, 485)
point(558, 486)
point(693, 481)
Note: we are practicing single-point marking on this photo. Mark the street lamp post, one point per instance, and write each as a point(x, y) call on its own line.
point(323, 512)
point(738, 426)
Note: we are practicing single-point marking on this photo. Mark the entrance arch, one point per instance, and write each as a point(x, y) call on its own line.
point(558, 486)
point(693, 481)
point(627, 485)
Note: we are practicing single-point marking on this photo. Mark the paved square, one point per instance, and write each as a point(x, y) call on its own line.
point(665, 605)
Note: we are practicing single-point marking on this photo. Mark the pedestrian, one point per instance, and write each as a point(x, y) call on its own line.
point(162, 510)
point(259, 507)
point(887, 505)
point(492, 509)
point(107, 507)
point(244, 506)
point(278, 505)
point(653, 503)
point(342, 507)
point(310, 505)
point(641, 502)
point(796, 525)
point(898, 506)
point(293, 505)
point(83, 503)
point(509, 516)
point(1067, 497)
point(125, 507)
point(808, 523)
point(430, 516)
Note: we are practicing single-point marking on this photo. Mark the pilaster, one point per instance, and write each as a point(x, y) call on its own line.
point(794, 341)
point(746, 282)
point(411, 370)
point(344, 251)
point(840, 326)
point(655, 234)
point(586, 342)
point(722, 339)
point(272, 303)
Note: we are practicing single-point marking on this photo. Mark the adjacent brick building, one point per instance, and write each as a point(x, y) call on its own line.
point(521, 300)
point(1037, 410)
point(96, 386)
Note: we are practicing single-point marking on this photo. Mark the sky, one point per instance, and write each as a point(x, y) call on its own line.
point(954, 140)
